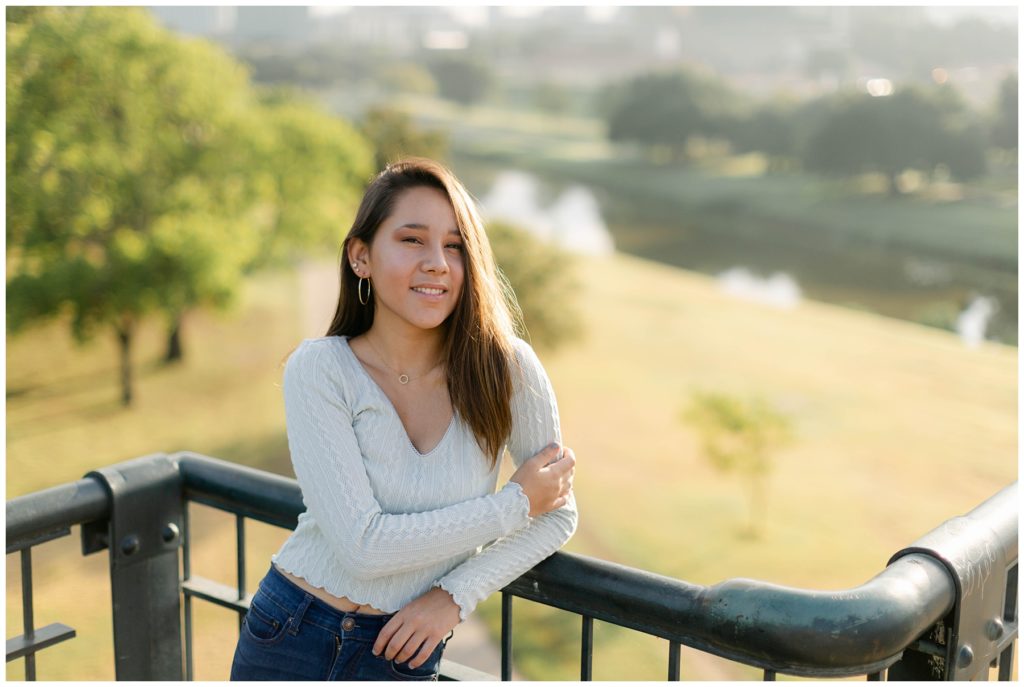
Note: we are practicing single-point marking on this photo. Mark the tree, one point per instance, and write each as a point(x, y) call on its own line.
point(121, 197)
point(770, 129)
point(394, 135)
point(740, 436)
point(306, 168)
point(313, 168)
point(464, 79)
point(888, 134)
point(664, 109)
point(541, 276)
point(143, 176)
point(1004, 128)
point(963, 152)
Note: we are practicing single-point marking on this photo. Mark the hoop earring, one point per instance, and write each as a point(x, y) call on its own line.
point(359, 290)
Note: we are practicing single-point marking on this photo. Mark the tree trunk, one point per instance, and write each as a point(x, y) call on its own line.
point(124, 337)
point(894, 187)
point(174, 352)
point(679, 155)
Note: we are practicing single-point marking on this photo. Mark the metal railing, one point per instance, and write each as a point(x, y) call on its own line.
point(944, 608)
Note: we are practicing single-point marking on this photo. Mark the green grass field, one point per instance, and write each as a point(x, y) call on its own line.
point(899, 428)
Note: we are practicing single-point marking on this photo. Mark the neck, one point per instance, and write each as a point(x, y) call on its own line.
point(411, 351)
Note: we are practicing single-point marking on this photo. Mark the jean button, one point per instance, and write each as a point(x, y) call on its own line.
point(348, 623)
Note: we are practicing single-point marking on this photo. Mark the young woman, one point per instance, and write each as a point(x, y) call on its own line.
point(397, 422)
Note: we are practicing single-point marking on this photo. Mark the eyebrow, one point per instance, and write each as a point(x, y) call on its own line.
point(417, 225)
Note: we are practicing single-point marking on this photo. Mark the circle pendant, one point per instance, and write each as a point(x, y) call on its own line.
point(404, 379)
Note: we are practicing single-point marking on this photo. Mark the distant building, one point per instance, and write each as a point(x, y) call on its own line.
point(284, 23)
point(209, 22)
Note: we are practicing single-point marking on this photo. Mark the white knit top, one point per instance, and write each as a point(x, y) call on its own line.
point(385, 523)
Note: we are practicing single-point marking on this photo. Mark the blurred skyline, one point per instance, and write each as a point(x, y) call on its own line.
point(803, 50)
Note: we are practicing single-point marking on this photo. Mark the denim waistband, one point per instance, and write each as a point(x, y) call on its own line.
point(286, 594)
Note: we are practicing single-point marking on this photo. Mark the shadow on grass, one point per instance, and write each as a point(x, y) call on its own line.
point(48, 422)
point(97, 381)
point(76, 383)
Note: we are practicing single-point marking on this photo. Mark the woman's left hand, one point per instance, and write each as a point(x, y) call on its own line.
point(420, 625)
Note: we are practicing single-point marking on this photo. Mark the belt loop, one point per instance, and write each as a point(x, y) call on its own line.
point(296, 619)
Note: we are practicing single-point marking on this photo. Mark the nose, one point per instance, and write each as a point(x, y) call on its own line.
point(435, 260)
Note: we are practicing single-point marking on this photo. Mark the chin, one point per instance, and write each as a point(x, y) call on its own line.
point(429, 322)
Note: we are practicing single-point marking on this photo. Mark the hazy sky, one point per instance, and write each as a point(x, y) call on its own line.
point(948, 15)
point(475, 13)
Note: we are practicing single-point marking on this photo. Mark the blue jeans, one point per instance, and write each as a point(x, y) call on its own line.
point(289, 634)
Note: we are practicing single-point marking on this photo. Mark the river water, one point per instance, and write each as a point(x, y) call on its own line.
point(777, 268)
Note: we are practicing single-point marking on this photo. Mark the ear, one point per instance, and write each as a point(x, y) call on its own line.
point(359, 253)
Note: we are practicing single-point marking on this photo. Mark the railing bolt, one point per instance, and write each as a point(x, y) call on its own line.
point(994, 629)
point(170, 532)
point(129, 544)
point(966, 656)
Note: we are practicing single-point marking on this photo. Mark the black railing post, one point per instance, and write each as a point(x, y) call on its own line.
point(506, 636)
point(143, 538)
point(979, 551)
point(28, 621)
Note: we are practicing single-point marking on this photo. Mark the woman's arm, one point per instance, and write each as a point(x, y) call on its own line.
point(337, 492)
point(534, 426)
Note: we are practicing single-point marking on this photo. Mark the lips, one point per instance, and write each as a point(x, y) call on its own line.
point(430, 290)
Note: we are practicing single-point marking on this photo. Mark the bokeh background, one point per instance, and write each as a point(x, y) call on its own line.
point(767, 255)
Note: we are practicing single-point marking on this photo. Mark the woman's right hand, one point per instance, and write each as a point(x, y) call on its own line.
point(546, 479)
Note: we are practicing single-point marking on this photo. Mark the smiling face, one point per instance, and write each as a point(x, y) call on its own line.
point(415, 261)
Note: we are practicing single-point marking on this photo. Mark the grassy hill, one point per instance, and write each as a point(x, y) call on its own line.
point(899, 428)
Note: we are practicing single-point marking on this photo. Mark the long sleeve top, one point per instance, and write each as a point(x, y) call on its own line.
point(385, 523)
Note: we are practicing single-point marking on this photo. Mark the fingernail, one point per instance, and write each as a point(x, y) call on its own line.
point(553, 444)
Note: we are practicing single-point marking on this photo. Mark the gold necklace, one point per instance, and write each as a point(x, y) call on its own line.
point(402, 378)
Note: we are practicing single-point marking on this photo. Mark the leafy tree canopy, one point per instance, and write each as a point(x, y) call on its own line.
point(667, 108)
point(912, 128)
point(120, 142)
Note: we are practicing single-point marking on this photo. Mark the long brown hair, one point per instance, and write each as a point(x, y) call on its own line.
point(477, 346)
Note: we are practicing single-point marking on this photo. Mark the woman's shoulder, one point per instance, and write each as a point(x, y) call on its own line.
point(317, 355)
point(526, 359)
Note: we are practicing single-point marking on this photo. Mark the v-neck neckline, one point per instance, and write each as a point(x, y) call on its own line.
point(387, 399)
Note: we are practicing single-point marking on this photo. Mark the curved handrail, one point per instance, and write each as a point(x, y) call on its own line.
point(796, 631)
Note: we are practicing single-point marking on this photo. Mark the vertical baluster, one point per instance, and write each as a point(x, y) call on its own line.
point(673, 661)
point(186, 561)
point(26, 610)
point(240, 561)
point(587, 657)
point(1006, 663)
point(506, 636)
point(769, 675)
point(1009, 616)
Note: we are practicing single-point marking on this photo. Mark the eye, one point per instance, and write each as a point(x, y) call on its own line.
point(456, 246)
point(411, 238)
